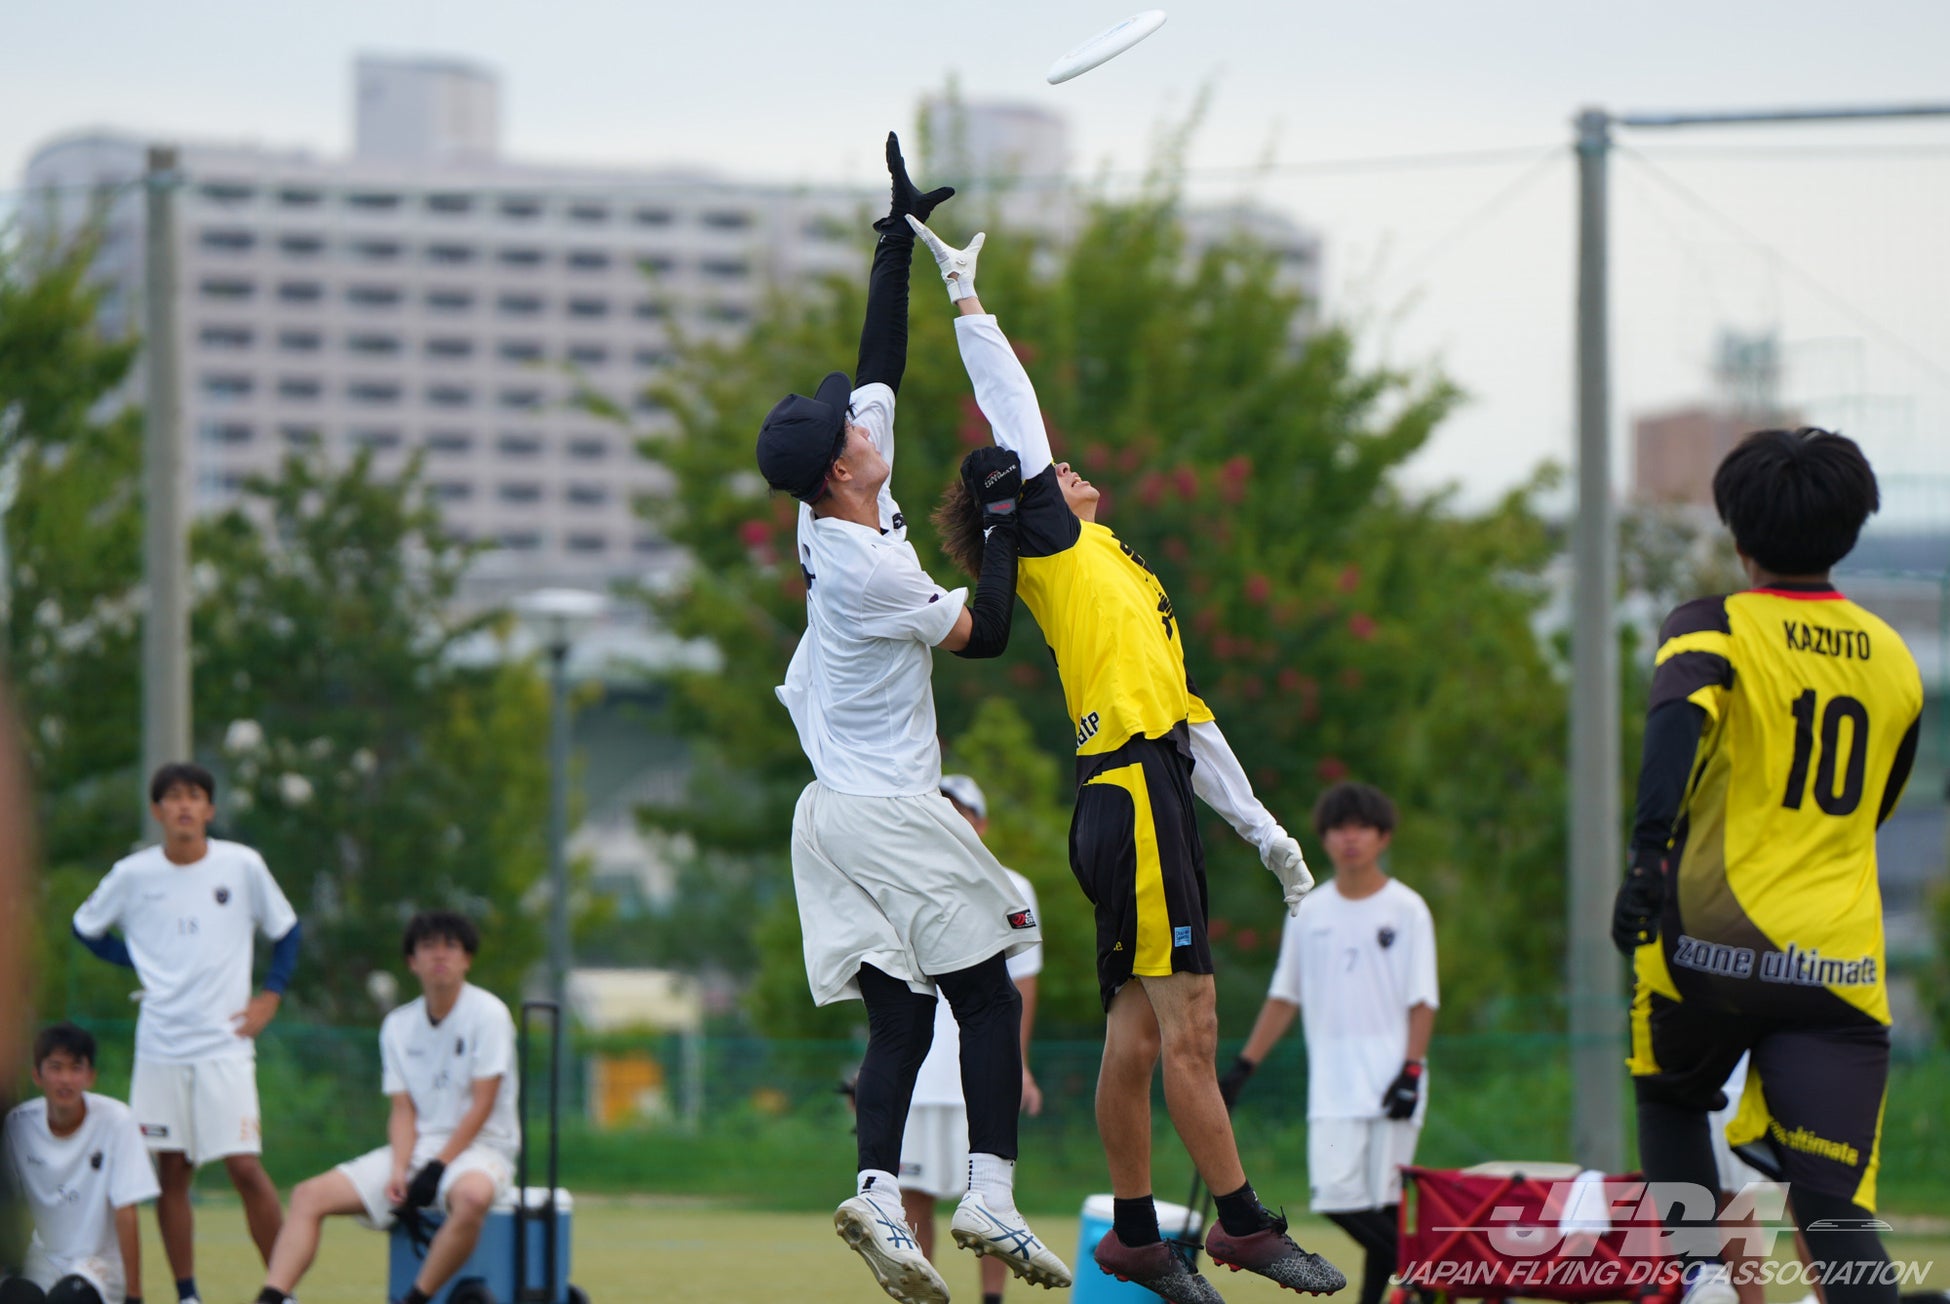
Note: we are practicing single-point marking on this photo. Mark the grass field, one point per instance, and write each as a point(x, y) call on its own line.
point(673, 1251)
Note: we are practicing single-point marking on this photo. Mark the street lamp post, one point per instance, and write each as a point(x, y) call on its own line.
point(556, 618)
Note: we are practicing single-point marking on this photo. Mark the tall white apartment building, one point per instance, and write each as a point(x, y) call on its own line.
point(425, 295)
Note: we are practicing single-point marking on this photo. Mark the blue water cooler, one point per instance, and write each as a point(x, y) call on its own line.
point(1093, 1284)
point(490, 1275)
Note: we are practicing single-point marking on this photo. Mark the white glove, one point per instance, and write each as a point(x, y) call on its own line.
point(1281, 854)
point(957, 265)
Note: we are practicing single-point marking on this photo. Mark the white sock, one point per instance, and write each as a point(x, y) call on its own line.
point(994, 1179)
point(881, 1183)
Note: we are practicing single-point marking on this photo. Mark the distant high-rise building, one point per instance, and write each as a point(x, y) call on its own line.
point(424, 295)
point(1676, 452)
point(425, 110)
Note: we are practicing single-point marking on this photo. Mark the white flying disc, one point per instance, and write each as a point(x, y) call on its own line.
point(1106, 45)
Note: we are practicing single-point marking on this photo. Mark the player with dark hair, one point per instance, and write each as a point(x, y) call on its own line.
point(448, 1067)
point(1145, 744)
point(1357, 964)
point(187, 909)
point(76, 1161)
point(897, 895)
point(1782, 727)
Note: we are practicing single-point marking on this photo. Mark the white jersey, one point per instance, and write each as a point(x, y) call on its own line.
point(1355, 968)
point(939, 1081)
point(189, 930)
point(860, 686)
point(73, 1185)
point(437, 1064)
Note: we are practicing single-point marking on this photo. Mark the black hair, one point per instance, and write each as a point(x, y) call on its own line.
point(444, 925)
point(69, 1038)
point(957, 521)
point(1795, 500)
point(1354, 803)
point(176, 772)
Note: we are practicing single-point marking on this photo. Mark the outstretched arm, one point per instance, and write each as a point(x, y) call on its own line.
point(883, 336)
point(1002, 387)
point(1221, 783)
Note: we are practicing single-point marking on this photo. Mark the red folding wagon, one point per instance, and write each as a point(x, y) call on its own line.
point(1499, 1231)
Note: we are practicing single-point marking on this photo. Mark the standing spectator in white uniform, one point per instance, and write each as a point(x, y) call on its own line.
point(934, 1148)
point(448, 1063)
point(76, 1161)
point(896, 894)
point(1357, 963)
point(188, 909)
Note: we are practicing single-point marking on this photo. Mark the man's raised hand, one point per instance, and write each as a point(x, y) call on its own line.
point(908, 200)
point(957, 265)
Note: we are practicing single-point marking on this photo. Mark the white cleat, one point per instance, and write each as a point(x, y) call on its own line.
point(1712, 1284)
point(1003, 1233)
point(878, 1232)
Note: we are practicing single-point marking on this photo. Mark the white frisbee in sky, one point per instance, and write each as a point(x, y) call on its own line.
point(1106, 45)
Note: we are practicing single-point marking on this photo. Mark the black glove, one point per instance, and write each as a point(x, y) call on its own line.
point(993, 477)
point(424, 1186)
point(1635, 911)
point(906, 199)
point(1399, 1100)
point(1233, 1081)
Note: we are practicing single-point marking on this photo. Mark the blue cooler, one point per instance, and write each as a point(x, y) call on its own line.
point(1093, 1284)
point(493, 1262)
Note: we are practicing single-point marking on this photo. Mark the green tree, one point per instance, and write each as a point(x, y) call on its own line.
point(70, 488)
point(376, 770)
point(1337, 625)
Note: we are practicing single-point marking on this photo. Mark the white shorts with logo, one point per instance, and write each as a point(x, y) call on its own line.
point(1356, 1163)
point(370, 1172)
point(102, 1271)
point(934, 1151)
point(902, 884)
point(206, 1110)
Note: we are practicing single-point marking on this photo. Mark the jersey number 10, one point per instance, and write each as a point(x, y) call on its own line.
point(1832, 800)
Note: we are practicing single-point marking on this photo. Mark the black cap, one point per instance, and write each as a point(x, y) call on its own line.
point(802, 436)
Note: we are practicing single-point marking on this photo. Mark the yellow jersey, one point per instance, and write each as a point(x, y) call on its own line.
point(1108, 622)
point(1812, 708)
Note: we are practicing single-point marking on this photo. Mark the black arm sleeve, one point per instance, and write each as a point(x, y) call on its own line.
point(1892, 792)
point(994, 608)
point(1671, 742)
point(883, 337)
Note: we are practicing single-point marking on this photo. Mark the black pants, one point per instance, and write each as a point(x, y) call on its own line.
point(900, 1028)
point(1374, 1230)
point(1676, 1146)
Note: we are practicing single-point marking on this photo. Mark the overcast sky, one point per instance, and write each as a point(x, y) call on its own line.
point(1832, 236)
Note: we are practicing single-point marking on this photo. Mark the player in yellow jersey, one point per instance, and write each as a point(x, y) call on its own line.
point(1782, 727)
point(1145, 744)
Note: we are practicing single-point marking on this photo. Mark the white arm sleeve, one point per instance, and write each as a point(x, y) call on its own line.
point(1003, 392)
point(1221, 783)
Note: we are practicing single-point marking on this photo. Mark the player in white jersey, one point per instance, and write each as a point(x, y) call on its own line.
point(76, 1161)
point(447, 1062)
point(896, 894)
point(188, 909)
point(1357, 962)
point(934, 1146)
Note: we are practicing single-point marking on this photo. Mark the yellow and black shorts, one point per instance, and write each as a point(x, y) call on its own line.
point(1812, 1112)
point(1135, 850)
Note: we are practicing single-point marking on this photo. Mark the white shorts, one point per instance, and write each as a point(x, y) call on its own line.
point(206, 1110)
point(370, 1172)
point(902, 884)
point(934, 1151)
point(102, 1271)
point(1356, 1163)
